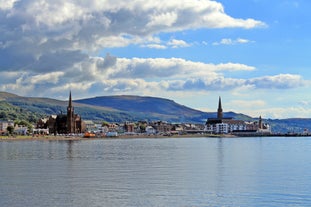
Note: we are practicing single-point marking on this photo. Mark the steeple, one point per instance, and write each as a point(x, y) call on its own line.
point(260, 125)
point(70, 100)
point(70, 116)
point(219, 110)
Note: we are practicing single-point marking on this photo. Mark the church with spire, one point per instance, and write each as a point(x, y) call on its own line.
point(219, 110)
point(69, 123)
point(225, 125)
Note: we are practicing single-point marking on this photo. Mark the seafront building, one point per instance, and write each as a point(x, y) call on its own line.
point(223, 125)
point(18, 129)
point(4, 125)
point(69, 123)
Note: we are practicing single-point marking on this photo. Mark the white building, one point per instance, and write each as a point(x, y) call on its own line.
point(150, 130)
point(222, 125)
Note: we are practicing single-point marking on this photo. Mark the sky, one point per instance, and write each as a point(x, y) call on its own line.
point(255, 54)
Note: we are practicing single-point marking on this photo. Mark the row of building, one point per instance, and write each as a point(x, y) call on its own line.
point(71, 123)
point(144, 127)
point(226, 125)
point(18, 129)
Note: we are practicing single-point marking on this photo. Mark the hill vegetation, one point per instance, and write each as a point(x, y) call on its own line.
point(148, 108)
point(107, 108)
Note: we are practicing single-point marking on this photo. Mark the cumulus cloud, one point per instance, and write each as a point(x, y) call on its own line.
point(173, 43)
point(178, 43)
point(282, 81)
point(48, 46)
point(46, 78)
point(34, 32)
point(155, 46)
point(7, 4)
point(143, 75)
point(169, 68)
point(229, 41)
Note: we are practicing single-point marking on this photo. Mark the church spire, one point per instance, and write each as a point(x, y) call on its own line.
point(70, 100)
point(219, 110)
point(260, 125)
point(70, 116)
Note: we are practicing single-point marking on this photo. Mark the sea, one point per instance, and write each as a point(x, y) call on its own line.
point(186, 172)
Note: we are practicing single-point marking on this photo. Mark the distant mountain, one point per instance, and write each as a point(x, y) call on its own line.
point(108, 108)
point(152, 108)
point(292, 125)
point(31, 109)
point(126, 108)
point(148, 108)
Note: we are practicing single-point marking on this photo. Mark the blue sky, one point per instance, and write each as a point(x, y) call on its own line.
point(252, 53)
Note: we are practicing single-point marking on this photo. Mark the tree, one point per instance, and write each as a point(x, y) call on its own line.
point(105, 123)
point(3, 115)
point(10, 129)
point(142, 127)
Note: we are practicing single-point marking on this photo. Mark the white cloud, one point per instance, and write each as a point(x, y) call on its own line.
point(113, 74)
point(281, 81)
point(178, 43)
point(155, 46)
point(46, 78)
point(169, 68)
point(242, 41)
point(173, 43)
point(46, 44)
point(229, 41)
point(7, 4)
point(163, 19)
point(234, 67)
point(50, 46)
point(67, 30)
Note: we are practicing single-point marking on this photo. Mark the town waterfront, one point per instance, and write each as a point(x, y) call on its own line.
point(253, 171)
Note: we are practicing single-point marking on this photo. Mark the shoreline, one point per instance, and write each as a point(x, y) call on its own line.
point(136, 136)
point(79, 138)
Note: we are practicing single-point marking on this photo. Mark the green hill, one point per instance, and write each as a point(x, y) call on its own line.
point(108, 108)
point(14, 107)
point(148, 108)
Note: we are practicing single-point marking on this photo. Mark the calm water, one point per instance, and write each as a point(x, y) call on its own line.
point(156, 172)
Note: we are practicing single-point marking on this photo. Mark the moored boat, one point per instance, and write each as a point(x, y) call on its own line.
point(111, 134)
point(89, 135)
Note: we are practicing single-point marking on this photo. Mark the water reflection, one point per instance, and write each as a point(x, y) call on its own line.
point(220, 167)
point(69, 149)
point(156, 172)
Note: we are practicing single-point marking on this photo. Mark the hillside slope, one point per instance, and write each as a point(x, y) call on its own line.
point(148, 108)
point(108, 108)
point(14, 107)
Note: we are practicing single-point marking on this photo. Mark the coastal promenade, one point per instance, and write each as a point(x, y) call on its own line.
point(135, 136)
point(44, 138)
point(77, 138)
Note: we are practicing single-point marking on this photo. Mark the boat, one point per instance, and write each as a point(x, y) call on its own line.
point(89, 135)
point(111, 134)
